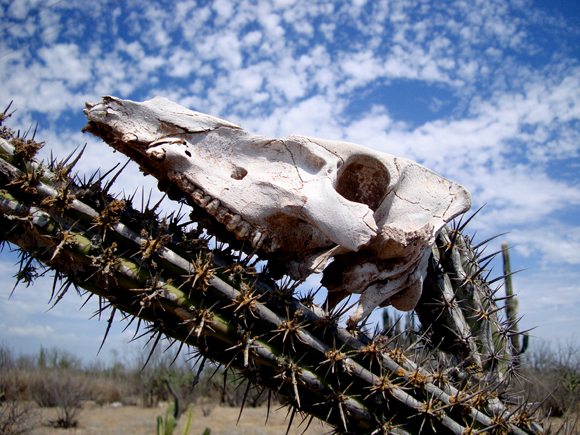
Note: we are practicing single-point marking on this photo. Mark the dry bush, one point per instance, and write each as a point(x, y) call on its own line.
point(16, 417)
point(62, 389)
point(15, 414)
point(14, 375)
point(108, 384)
point(554, 378)
point(14, 384)
point(104, 390)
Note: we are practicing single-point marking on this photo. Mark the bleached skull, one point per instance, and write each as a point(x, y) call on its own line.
point(299, 201)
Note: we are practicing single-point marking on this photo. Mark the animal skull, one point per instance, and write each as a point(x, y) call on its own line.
point(299, 201)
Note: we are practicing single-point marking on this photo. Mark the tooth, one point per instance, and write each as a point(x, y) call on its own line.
point(258, 239)
point(205, 200)
point(221, 214)
point(232, 221)
point(157, 153)
point(197, 195)
point(212, 207)
point(132, 137)
point(243, 230)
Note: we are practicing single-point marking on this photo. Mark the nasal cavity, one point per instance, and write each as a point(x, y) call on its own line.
point(364, 180)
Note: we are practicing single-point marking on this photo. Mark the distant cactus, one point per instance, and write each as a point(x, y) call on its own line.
point(511, 305)
point(452, 377)
point(167, 426)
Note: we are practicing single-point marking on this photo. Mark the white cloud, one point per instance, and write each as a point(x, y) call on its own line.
point(192, 22)
point(328, 30)
point(252, 38)
point(31, 330)
point(224, 9)
point(63, 61)
point(304, 27)
point(133, 49)
point(560, 244)
point(311, 117)
point(20, 10)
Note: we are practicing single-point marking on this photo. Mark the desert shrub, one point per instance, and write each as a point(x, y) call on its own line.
point(554, 377)
point(62, 389)
point(108, 384)
point(16, 417)
point(103, 390)
point(14, 375)
point(13, 385)
point(15, 414)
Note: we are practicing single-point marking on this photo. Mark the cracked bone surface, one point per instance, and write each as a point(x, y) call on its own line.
point(365, 218)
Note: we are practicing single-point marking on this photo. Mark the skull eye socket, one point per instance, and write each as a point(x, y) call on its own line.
point(364, 180)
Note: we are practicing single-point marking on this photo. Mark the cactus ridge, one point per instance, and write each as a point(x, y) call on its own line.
point(450, 377)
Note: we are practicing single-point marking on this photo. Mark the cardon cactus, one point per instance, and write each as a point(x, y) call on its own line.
point(453, 378)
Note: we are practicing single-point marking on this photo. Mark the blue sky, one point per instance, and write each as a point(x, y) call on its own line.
point(486, 93)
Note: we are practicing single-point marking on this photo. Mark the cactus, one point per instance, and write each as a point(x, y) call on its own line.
point(168, 426)
point(511, 305)
point(161, 273)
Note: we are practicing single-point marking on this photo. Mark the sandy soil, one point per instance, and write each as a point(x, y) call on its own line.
point(129, 420)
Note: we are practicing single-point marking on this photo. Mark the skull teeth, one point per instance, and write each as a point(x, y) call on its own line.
point(197, 195)
point(213, 207)
point(221, 214)
point(243, 230)
point(205, 201)
point(232, 221)
point(258, 237)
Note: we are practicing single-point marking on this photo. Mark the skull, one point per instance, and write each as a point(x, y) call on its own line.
point(300, 202)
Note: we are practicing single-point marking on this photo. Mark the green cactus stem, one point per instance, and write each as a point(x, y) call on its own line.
point(511, 305)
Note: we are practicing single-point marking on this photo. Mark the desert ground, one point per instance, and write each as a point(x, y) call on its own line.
point(132, 420)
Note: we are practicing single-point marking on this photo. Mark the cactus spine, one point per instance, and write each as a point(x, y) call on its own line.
point(162, 273)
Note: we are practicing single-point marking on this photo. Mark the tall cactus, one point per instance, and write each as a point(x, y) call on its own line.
point(511, 305)
point(162, 273)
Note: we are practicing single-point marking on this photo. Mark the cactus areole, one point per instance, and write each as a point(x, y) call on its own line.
point(298, 201)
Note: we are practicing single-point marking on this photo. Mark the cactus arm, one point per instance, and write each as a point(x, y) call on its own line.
point(511, 305)
point(169, 424)
point(188, 420)
point(160, 425)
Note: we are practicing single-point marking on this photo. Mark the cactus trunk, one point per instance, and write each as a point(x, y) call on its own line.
point(163, 274)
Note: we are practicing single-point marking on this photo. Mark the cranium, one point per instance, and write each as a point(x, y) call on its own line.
point(300, 202)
